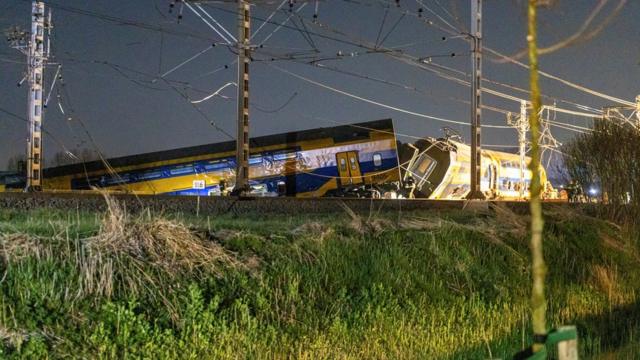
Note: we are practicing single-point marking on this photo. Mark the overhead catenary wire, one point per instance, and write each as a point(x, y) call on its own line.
point(185, 62)
point(92, 141)
point(46, 131)
point(398, 85)
point(281, 25)
point(395, 25)
point(142, 25)
point(122, 21)
point(414, 89)
point(217, 23)
point(215, 93)
point(409, 112)
point(412, 61)
point(563, 81)
point(53, 84)
point(273, 13)
point(224, 38)
point(421, 3)
point(543, 73)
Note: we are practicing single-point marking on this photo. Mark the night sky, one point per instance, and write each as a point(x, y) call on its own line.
point(108, 71)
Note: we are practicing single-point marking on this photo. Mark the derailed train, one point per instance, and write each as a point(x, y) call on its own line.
point(359, 160)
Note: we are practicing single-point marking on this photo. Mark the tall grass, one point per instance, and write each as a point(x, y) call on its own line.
point(446, 285)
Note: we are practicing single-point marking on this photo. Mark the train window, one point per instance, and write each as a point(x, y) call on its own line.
point(343, 164)
point(426, 166)
point(353, 163)
point(377, 159)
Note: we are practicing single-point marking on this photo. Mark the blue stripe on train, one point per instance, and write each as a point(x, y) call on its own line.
point(304, 182)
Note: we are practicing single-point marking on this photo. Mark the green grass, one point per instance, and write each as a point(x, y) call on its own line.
point(443, 285)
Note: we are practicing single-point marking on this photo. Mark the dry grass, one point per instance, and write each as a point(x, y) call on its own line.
point(136, 255)
point(372, 225)
point(15, 247)
point(13, 337)
point(127, 245)
point(421, 223)
point(607, 280)
point(315, 230)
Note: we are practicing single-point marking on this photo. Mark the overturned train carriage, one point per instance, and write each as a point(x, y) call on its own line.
point(440, 169)
point(352, 160)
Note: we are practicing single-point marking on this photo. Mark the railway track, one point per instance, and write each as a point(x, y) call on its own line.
point(225, 205)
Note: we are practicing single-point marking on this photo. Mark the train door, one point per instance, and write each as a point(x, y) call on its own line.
point(354, 167)
point(349, 168)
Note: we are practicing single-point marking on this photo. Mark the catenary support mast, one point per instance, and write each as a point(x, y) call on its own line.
point(523, 127)
point(35, 45)
point(475, 191)
point(38, 54)
point(242, 139)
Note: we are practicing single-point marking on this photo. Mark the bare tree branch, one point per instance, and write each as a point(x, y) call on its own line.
point(579, 36)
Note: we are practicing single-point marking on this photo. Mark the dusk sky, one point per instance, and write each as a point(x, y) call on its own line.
point(109, 69)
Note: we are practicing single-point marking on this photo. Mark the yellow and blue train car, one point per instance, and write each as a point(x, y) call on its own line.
point(440, 169)
point(335, 161)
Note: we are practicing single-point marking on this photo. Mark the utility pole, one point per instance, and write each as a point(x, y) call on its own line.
point(475, 191)
point(523, 127)
point(242, 139)
point(35, 46)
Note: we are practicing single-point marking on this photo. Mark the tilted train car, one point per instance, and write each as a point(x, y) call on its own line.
point(439, 169)
point(352, 160)
point(361, 160)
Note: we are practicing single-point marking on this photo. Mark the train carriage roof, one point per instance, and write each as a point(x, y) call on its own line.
point(341, 133)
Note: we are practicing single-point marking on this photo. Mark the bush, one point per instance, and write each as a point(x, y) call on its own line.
point(609, 158)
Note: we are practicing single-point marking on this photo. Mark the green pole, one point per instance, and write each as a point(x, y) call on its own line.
point(538, 302)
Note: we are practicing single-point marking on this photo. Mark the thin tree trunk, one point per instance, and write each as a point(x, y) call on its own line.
point(538, 302)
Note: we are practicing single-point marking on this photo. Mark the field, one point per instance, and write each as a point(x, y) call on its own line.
point(415, 285)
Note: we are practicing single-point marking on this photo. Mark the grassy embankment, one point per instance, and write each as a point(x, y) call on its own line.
point(420, 285)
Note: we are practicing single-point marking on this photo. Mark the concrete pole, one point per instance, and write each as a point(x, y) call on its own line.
point(242, 139)
point(475, 191)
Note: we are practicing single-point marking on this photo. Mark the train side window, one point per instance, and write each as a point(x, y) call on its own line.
point(377, 159)
point(426, 166)
point(343, 164)
point(353, 163)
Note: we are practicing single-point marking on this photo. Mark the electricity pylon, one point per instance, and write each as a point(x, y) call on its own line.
point(36, 46)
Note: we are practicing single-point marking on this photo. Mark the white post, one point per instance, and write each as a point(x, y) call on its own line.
point(37, 55)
